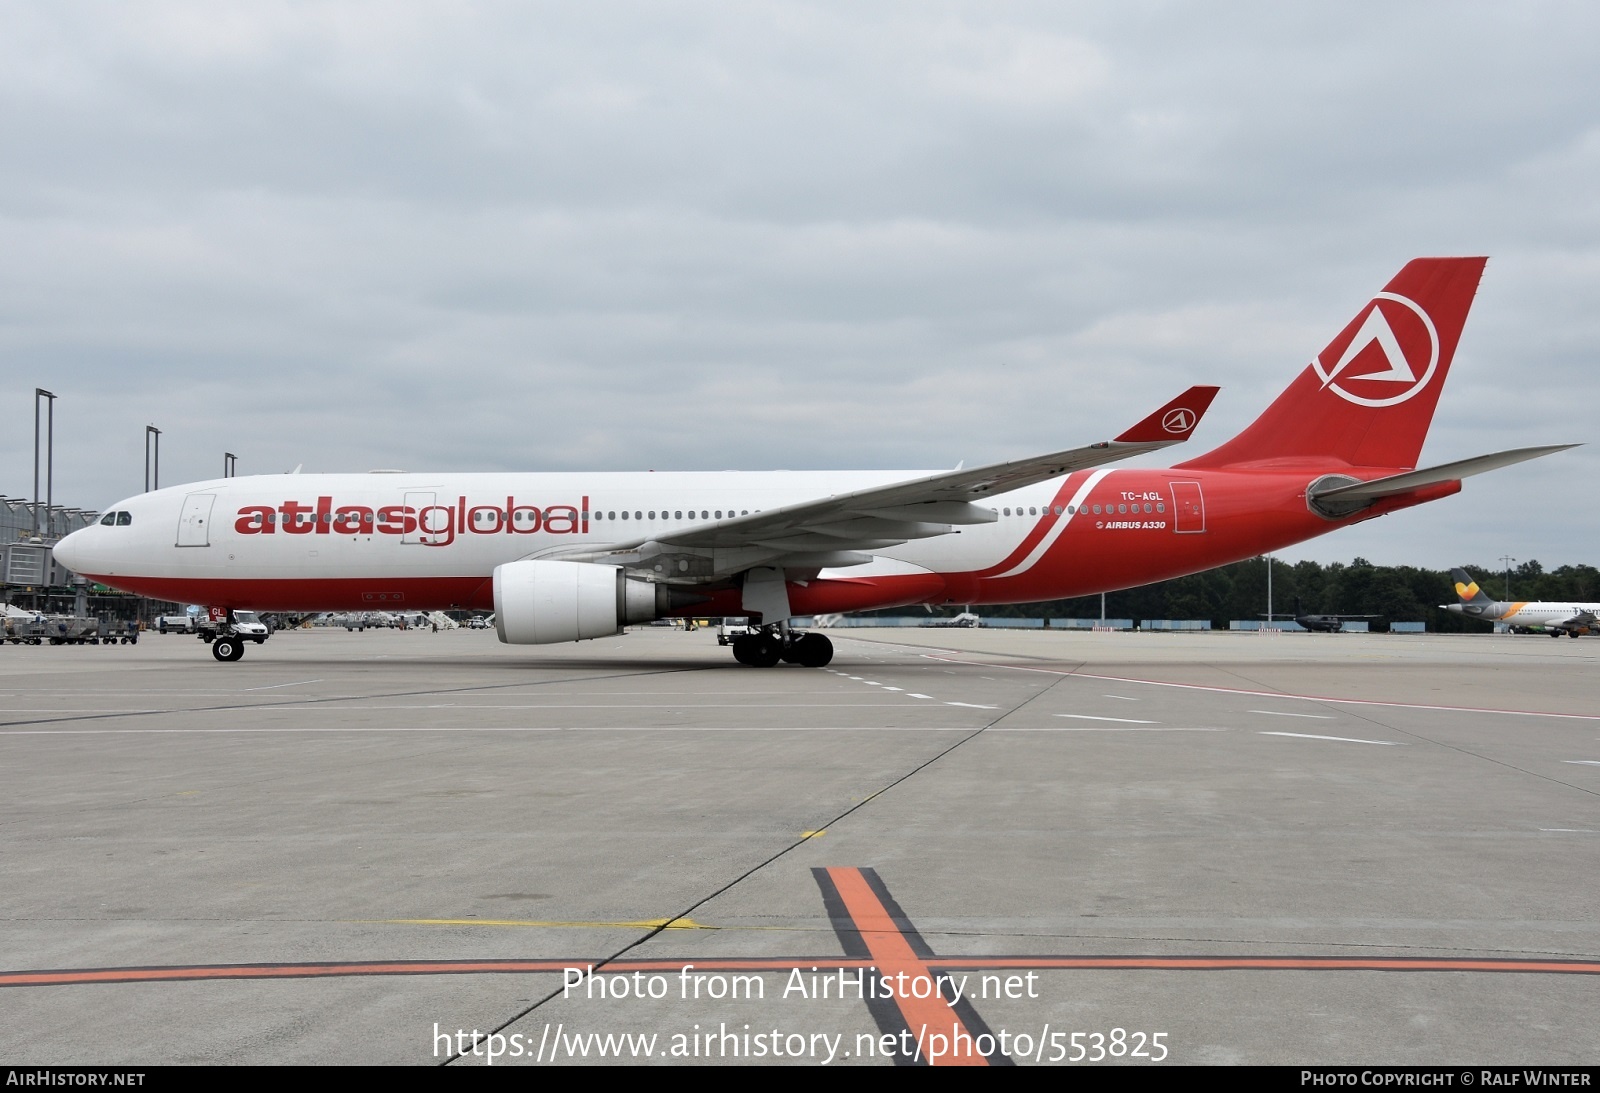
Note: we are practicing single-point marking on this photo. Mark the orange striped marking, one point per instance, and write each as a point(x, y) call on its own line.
point(892, 955)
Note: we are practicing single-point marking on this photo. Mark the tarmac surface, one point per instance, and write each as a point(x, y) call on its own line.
point(1134, 848)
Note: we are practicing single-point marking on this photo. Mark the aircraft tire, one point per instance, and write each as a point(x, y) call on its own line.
point(227, 649)
point(741, 650)
point(814, 651)
point(764, 651)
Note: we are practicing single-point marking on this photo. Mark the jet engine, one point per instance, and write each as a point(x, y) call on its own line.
point(542, 602)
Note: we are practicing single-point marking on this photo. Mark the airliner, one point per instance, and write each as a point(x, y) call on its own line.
point(1321, 624)
point(571, 556)
point(1523, 616)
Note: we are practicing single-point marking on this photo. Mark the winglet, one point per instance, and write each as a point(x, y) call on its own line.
point(1174, 421)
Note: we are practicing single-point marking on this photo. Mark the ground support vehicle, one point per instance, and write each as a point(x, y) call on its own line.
point(227, 631)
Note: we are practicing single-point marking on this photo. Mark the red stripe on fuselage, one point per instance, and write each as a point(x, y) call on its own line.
point(315, 594)
point(1041, 528)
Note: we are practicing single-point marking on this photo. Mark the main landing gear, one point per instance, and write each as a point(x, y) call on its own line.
point(766, 647)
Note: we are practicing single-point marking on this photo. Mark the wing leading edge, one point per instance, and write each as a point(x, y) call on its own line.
point(841, 530)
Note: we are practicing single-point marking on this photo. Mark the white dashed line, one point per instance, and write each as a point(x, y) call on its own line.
point(1104, 728)
point(1340, 739)
point(1121, 720)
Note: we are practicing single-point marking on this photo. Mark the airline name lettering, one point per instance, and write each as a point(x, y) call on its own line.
point(436, 525)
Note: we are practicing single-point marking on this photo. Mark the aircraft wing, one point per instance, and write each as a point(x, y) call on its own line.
point(1583, 620)
point(838, 530)
point(1363, 492)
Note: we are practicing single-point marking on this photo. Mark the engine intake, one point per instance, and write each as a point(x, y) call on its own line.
point(543, 602)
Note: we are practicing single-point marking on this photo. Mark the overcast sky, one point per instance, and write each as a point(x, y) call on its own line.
point(623, 236)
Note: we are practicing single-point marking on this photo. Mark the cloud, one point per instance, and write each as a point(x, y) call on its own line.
point(519, 236)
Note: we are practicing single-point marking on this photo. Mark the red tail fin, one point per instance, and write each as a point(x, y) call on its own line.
point(1368, 398)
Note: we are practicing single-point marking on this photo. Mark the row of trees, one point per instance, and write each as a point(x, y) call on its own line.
point(1239, 591)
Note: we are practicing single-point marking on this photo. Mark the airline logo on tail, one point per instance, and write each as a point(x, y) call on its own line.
point(1468, 591)
point(1181, 420)
point(1396, 343)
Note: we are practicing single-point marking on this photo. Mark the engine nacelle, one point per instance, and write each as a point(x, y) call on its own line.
point(542, 602)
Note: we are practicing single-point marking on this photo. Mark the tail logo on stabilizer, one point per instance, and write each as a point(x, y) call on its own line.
point(1394, 338)
point(1178, 421)
point(1467, 591)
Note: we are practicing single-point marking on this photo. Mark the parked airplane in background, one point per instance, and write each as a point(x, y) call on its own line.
point(563, 557)
point(1523, 617)
point(1326, 624)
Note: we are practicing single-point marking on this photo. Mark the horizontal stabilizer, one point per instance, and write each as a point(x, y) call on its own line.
point(1358, 493)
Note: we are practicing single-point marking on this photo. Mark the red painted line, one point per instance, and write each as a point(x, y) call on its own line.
point(1268, 963)
point(181, 972)
point(893, 956)
point(196, 972)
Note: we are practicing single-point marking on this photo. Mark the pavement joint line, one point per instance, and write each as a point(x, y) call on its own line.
point(306, 703)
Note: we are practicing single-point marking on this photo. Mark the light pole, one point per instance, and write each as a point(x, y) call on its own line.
point(1508, 559)
point(149, 431)
point(230, 464)
point(1269, 591)
point(41, 393)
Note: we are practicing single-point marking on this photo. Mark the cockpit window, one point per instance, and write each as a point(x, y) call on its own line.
point(109, 519)
point(116, 519)
point(124, 519)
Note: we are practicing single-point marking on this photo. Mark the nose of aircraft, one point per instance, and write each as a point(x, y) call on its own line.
point(70, 551)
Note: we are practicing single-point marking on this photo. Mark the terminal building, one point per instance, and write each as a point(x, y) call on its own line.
point(31, 580)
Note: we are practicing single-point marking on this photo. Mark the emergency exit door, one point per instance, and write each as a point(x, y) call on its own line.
point(1188, 508)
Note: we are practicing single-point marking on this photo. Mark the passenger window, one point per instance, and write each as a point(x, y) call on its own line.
point(1097, 510)
point(1160, 507)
